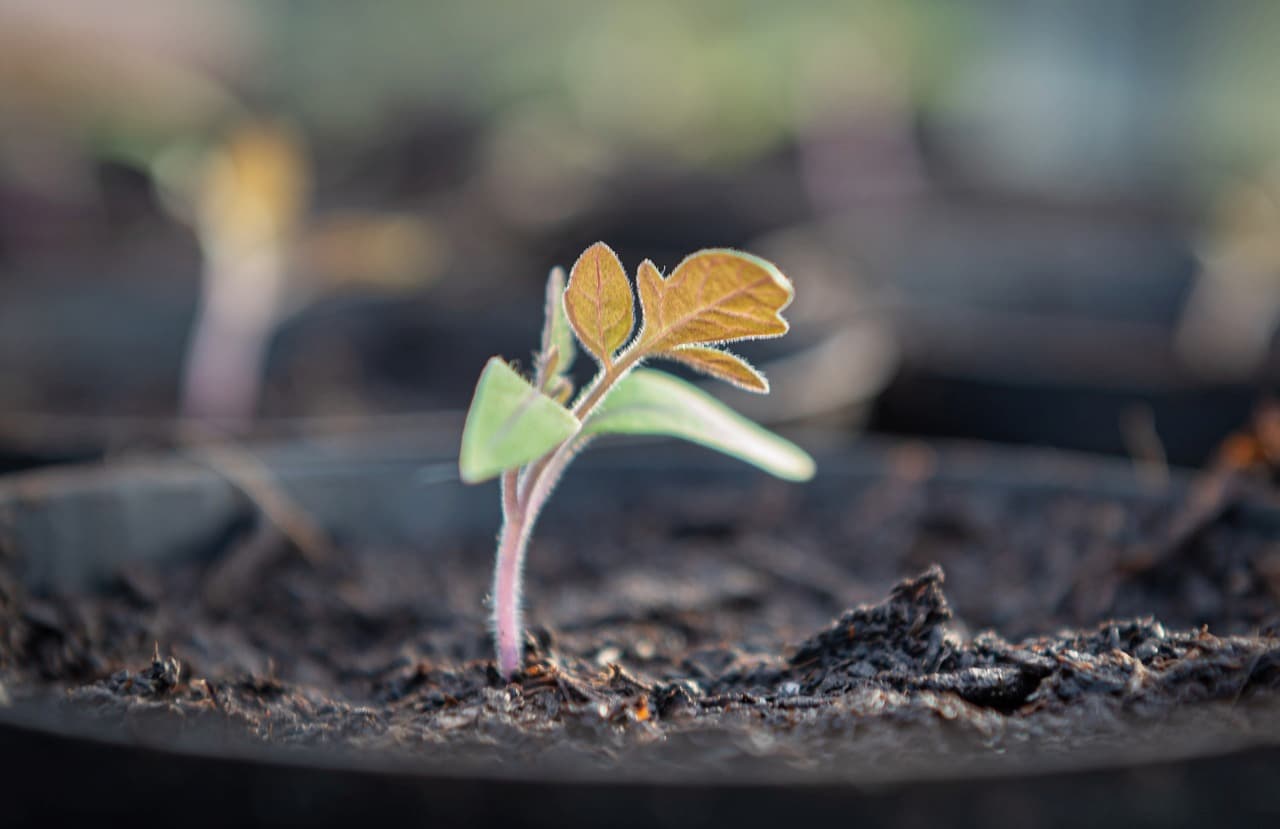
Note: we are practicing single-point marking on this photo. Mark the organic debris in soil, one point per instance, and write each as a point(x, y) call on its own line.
point(700, 644)
point(896, 664)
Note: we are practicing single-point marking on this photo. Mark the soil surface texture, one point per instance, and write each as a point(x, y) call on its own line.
point(905, 622)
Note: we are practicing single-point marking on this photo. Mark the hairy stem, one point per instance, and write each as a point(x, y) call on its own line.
point(508, 630)
point(523, 496)
point(605, 381)
point(587, 401)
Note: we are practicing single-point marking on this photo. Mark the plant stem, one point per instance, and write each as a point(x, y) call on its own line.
point(522, 501)
point(513, 540)
point(606, 380)
point(241, 292)
point(587, 402)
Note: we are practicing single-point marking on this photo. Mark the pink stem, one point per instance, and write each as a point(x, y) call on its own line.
point(241, 291)
point(223, 371)
point(508, 629)
point(508, 626)
point(520, 508)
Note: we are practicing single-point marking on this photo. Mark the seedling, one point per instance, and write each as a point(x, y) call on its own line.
point(266, 254)
point(248, 207)
point(526, 432)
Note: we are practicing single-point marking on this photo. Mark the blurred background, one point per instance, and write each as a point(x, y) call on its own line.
point(1035, 222)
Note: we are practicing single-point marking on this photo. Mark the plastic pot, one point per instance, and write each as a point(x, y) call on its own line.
point(69, 532)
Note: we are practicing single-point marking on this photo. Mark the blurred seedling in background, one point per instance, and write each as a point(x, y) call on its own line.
point(526, 431)
point(248, 198)
point(1233, 310)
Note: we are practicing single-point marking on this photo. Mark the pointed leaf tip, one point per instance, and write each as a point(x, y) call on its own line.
point(713, 296)
point(509, 424)
point(598, 302)
point(720, 364)
point(556, 333)
point(649, 402)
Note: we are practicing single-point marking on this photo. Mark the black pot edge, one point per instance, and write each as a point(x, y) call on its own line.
point(963, 463)
point(432, 462)
point(947, 459)
point(62, 772)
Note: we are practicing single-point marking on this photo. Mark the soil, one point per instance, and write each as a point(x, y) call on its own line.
point(905, 621)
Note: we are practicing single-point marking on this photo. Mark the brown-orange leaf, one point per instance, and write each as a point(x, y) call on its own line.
point(713, 296)
point(598, 302)
point(721, 364)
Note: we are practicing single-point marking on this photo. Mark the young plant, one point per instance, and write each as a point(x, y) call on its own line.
point(526, 432)
point(248, 198)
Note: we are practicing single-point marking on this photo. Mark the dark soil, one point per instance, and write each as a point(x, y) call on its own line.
point(704, 628)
